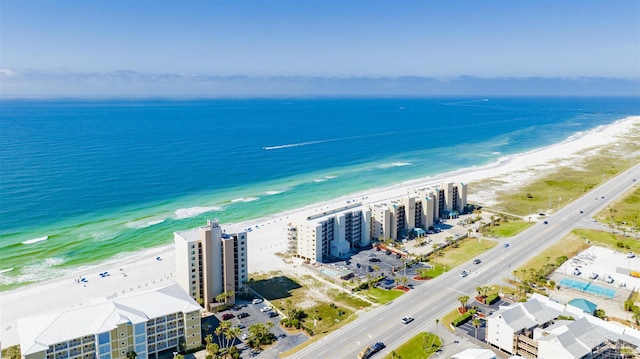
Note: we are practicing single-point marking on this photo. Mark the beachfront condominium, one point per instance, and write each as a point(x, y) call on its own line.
point(331, 234)
point(419, 208)
point(146, 325)
point(210, 262)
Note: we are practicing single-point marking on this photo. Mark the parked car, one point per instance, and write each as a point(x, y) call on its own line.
point(265, 309)
point(372, 260)
point(257, 301)
point(227, 316)
point(387, 252)
point(408, 319)
point(273, 314)
point(243, 315)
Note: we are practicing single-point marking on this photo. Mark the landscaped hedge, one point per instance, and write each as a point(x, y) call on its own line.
point(462, 319)
point(491, 299)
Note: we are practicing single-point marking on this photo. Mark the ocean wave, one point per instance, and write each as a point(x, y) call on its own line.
point(395, 164)
point(39, 271)
point(102, 236)
point(184, 213)
point(36, 240)
point(496, 153)
point(144, 223)
point(331, 177)
point(245, 199)
point(271, 193)
point(6, 270)
point(318, 180)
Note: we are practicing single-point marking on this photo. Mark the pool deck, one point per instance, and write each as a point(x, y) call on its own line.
point(603, 261)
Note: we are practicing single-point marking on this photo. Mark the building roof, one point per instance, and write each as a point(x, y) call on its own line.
point(37, 333)
point(190, 235)
point(585, 305)
point(475, 354)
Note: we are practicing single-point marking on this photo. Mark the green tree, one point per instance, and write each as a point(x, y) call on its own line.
point(463, 301)
point(12, 352)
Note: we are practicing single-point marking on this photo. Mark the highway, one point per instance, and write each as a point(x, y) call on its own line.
point(435, 298)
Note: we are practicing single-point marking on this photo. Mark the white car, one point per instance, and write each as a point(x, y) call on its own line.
point(408, 319)
point(265, 309)
point(257, 301)
point(464, 273)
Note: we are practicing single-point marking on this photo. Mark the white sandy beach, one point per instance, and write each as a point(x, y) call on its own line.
point(144, 271)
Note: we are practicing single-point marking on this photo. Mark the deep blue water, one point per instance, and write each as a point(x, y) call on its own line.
point(106, 177)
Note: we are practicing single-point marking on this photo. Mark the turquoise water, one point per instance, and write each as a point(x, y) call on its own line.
point(588, 287)
point(86, 181)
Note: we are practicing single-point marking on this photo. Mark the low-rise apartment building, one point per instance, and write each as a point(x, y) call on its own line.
point(541, 328)
point(162, 320)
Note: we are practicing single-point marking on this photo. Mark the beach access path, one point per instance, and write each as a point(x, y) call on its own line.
point(144, 271)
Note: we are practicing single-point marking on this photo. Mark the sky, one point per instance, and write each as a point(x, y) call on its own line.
point(46, 42)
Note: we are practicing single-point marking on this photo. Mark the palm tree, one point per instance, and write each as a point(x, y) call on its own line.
point(376, 269)
point(435, 336)
point(463, 301)
point(476, 323)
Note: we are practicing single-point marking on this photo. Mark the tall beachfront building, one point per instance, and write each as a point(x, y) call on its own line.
point(148, 324)
point(210, 262)
point(331, 234)
point(420, 208)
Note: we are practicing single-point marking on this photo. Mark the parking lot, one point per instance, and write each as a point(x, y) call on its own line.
point(374, 262)
point(252, 315)
point(483, 310)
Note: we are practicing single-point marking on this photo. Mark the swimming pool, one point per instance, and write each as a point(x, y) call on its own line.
point(588, 287)
point(329, 272)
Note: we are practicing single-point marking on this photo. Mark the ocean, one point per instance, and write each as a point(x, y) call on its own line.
point(85, 181)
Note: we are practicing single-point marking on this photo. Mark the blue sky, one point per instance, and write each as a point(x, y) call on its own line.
point(368, 38)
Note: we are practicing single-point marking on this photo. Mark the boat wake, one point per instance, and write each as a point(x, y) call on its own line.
point(278, 147)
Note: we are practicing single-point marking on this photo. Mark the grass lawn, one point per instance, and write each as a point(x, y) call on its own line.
point(468, 248)
point(421, 346)
point(608, 239)
point(625, 211)
point(449, 317)
point(565, 184)
point(381, 296)
point(507, 228)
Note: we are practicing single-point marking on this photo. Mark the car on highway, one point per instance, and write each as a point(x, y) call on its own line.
point(581, 212)
point(257, 301)
point(464, 273)
point(265, 309)
point(477, 261)
point(506, 245)
point(370, 350)
point(408, 319)
point(545, 222)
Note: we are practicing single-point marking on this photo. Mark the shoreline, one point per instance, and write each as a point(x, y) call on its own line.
point(141, 271)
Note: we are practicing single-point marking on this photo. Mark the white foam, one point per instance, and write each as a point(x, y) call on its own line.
point(271, 193)
point(183, 213)
point(331, 177)
point(245, 199)
point(144, 223)
point(103, 236)
point(35, 272)
point(6, 270)
point(318, 180)
point(395, 164)
point(36, 240)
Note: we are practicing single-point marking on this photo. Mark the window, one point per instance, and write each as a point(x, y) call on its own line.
point(103, 338)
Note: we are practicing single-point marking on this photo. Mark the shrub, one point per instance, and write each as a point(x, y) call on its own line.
point(491, 299)
point(462, 319)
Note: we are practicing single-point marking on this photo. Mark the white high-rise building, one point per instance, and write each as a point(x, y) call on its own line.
point(210, 262)
point(332, 233)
